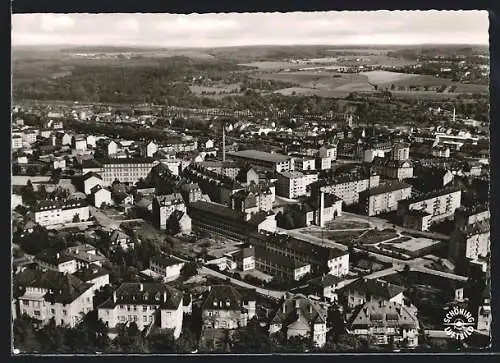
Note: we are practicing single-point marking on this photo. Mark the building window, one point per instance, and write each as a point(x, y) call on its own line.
point(144, 308)
point(64, 312)
point(52, 311)
point(145, 318)
point(37, 312)
point(26, 302)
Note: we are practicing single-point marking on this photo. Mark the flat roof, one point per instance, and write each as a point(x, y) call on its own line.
point(260, 155)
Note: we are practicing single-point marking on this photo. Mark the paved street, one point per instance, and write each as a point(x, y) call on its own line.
point(266, 292)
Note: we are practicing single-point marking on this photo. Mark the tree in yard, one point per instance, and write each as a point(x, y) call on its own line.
point(161, 342)
point(173, 226)
point(24, 336)
point(189, 269)
point(76, 218)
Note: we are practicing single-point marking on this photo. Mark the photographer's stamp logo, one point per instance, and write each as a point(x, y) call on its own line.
point(459, 323)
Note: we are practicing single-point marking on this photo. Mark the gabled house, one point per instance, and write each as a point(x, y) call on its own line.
point(301, 316)
point(46, 295)
point(372, 290)
point(385, 321)
point(145, 304)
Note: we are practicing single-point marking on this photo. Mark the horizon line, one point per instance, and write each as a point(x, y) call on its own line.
point(247, 45)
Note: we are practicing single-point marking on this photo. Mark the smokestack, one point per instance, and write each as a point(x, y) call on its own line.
point(141, 287)
point(223, 142)
point(454, 114)
point(114, 296)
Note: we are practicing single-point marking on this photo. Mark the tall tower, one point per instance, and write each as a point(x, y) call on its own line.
point(454, 114)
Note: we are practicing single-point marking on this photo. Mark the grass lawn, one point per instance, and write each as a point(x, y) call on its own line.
point(374, 236)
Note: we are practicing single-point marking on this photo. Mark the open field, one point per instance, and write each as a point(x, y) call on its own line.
point(385, 77)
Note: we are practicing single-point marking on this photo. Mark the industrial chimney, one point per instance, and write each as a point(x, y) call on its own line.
point(223, 142)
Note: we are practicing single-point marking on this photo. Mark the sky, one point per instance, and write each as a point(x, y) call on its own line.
point(233, 29)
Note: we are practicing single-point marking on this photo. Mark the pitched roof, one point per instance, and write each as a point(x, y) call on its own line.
point(63, 288)
point(376, 287)
point(217, 209)
point(373, 314)
point(165, 260)
point(300, 312)
point(226, 297)
point(145, 293)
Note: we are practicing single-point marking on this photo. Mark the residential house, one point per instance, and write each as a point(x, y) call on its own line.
point(227, 307)
point(144, 304)
point(386, 321)
point(372, 290)
point(299, 316)
point(47, 295)
point(90, 180)
point(100, 196)
point(168, 267)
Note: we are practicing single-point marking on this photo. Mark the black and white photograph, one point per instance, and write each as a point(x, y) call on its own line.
point(250, 183)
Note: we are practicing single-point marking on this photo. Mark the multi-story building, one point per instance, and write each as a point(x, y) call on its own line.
point(304, 164)
point(70, 260)
point(15, 200)
point(226, 222)
point(252, 200)
point(54, 295)
point(264, 160)
point(328, 151)
point(245, 258)
point(143, 304)
point(277, 265)
point(384, 198)
point(323, 163)
point(394, 169)
point(227, 307)
point(471, 243)
point(321, 258)
point(384, 322)
point(299, 316)
point(168, 267)
point(433, 207)
point(229, 169)
point(293, 184)
point(191, 193)
point(16, 142)
point(465, 216)
point(400, 152)
point(126, 170)
point(164, 206)
point(439, 151)
point(372, 290)
point(348, 188)
point(50, 213)
point(90, 180)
